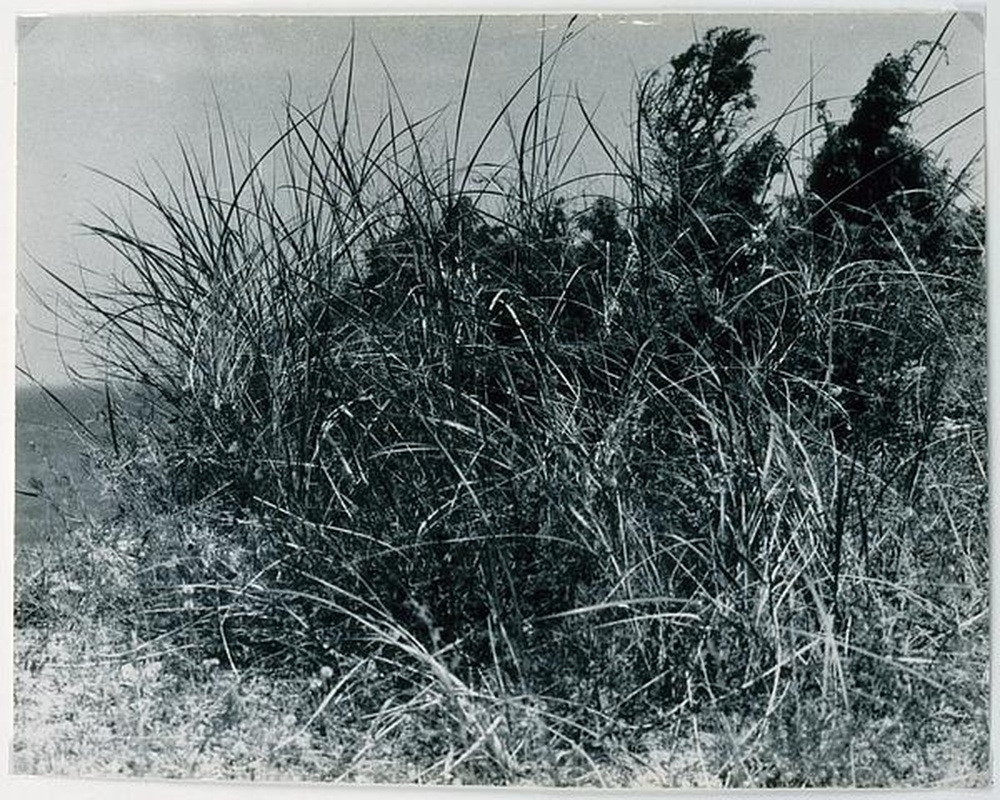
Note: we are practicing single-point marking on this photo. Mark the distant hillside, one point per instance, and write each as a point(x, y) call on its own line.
point(50, 477)
point(34, 405)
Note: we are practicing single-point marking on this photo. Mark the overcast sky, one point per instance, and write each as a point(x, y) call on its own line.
point(114, 93)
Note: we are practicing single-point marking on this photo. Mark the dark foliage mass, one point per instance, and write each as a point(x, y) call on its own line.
point(683, 448)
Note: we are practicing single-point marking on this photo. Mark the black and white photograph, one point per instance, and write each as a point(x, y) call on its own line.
point(531, 400)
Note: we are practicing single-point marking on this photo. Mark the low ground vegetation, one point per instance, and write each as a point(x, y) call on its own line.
point(484, 475)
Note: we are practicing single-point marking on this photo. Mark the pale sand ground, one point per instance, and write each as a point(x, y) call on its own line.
point(81, 713)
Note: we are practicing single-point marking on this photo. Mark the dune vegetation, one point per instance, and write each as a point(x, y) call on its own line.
point(450, 470)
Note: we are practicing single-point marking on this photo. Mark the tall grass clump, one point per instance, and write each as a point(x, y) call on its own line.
point(543, 461)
